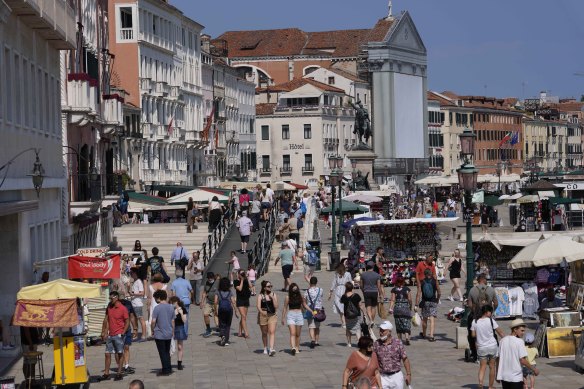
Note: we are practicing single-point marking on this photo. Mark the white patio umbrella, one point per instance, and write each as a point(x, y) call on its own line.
point(363, 198)
point(550, 251)
point(198, 195)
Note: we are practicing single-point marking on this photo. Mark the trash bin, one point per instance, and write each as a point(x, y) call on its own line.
point(334, 259)
point(315, 245)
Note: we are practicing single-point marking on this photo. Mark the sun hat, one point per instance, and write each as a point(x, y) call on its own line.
point(386, 325)
point(518, 323)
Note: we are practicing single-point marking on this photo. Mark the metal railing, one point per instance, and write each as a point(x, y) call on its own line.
point(211, 245)
point(262, 249)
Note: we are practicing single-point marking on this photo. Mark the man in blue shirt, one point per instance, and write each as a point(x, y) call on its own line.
point(182, 289)
point(178, 253)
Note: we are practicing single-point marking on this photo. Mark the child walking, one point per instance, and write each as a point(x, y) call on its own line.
point(251, 276)
point(532, 353)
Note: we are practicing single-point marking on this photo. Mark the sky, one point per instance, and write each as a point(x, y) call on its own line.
point(499, 48)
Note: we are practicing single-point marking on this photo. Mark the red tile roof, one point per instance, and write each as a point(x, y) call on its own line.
point(293, 41)
point(346, 74)
point(569, 106)
point(265, 109)
point(297, 83)
point(441, 99)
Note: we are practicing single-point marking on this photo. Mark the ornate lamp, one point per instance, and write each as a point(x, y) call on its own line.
point(467, 177)
point(467, 143)
point(37, 174)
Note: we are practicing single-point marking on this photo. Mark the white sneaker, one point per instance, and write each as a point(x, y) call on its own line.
point(450, 298)
point(265, 351)
point(349, 345)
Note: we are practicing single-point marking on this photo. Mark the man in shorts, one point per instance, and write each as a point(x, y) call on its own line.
point(288, 259)
point(373, 291)
point(137, 294)
point(207, 302)
point(115, 326)
point(245, 225)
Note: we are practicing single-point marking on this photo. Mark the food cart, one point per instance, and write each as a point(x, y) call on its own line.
point(54, 304)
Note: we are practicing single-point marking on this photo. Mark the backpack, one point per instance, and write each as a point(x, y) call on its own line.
point(126, 197)
point(299, 224)
point(428, 289)
point(482, 301)
point(224, 302)
point(312, 258)
point(244, 200)
point(303, 207)
point(351, 311)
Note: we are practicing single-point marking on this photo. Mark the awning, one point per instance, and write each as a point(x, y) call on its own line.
point(59, 289)
point(198, 196)
point(171, 188)
point(545, 194)
point(563, 200)
point(528, 199)
point(299, 186)
point(407, 221)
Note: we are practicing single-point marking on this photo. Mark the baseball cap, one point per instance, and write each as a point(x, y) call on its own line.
point(386, 325)
point(529, 338)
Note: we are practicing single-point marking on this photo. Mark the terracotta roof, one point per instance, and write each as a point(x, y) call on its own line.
point(346, 74)
point(297, 83)
point(441, 99)
point(568, 106)
point(450, 94)
point(293, 41)
point(265, 109)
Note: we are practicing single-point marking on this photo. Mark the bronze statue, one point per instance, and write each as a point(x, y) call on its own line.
point(360, 182)
point(362, 124)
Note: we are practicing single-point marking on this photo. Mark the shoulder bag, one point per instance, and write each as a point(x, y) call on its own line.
point(320, 315)
point(350, 384)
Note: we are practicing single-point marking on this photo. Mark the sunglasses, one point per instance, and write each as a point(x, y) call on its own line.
point(268, 286)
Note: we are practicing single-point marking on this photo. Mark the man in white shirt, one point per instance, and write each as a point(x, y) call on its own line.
point(512, 355)
point(270, 194)
point(137, 292)
point(245, 226)
point(483, 330)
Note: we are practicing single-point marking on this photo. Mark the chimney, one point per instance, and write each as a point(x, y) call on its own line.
point(206, 43)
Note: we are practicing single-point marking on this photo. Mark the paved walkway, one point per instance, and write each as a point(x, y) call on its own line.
point(242, 364)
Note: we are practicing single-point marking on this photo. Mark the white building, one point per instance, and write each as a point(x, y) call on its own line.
point(300, 124)
point(32, 33)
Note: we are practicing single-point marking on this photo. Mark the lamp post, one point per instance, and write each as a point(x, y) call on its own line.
point(340, 182)
point(333, 181)
point(467, 179)
point(37, 174)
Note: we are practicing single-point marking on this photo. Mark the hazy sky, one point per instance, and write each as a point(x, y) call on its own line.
point(495, 47)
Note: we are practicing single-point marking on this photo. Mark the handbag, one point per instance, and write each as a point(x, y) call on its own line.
point(381, 311)
point(172, 346)
point(165, 277)
point(320, 315)
point(416, 320)
point(350, 384)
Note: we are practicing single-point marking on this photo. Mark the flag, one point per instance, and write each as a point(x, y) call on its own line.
point(505, 139)
point(169, 127)
point(515, 139)
point(216, 137)
point(208, 124)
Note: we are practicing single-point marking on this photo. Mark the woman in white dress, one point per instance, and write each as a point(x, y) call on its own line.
point(155, 284)
point(342, 276)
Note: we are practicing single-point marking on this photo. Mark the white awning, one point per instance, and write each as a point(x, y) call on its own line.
point(407, 221)
point(546, 194)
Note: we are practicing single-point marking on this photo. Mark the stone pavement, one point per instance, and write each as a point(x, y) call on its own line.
point(242, 364)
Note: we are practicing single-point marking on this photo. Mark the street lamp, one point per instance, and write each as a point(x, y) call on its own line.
point(333, 180)
point(340, 182)
point(467, 179)
point(37, 174)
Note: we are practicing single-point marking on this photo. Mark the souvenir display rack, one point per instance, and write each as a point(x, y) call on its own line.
point(404, 245)
point(497, 260)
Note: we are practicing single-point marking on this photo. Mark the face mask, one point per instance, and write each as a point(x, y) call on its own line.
point(383, 338)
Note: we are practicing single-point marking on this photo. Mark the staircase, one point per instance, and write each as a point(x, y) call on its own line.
point(163, 235)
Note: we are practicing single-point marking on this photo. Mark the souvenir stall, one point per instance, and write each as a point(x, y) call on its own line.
point(404, 241)
point(575, 300)
point(561, 325)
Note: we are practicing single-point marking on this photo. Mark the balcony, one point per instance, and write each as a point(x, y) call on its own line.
point(146, 85)
point(308, 169)
point(112, 110)
point(127, 34)
point(286, 171)
point(81, 98)
point(265, 172)
point(174, 92)
point(161, 89)
point(55, 20)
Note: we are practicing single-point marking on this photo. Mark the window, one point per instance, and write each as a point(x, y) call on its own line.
point(285, 131)
point(251, 126)
point(308, 162)
point(126, 23)
point(266, 163)
point(286, 162)
point(310, 69)
point(265, 132)
point(307, 131)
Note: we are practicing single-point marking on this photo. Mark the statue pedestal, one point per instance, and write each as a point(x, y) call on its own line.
point(364, 160)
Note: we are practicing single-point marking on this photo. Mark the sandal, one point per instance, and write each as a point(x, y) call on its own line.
point(104, 377)
point(422, 335)
point(431, 339)
point(118, 377)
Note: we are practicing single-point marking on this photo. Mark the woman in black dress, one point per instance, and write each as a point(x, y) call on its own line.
point(242, 294)
point(455, 267)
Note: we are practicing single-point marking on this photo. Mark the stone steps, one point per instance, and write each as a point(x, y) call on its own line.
point(164, 236)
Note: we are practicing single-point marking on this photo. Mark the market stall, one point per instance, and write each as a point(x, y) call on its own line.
point(404, 241)
point(55, 304)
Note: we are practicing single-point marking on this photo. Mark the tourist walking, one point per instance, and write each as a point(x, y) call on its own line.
point(313, 297)
point(455, 267)
point(391, 354)
point(196, 267)
point(267, 305)
point(208, 302)
point(162, 325)
point(182, 289)
point(180, 329)
point(155, 285)
point(234, 266)
point(225, 308)
point(352, 309)
point(156, 263)
point(309, 259)
point(292, 314)
point(479, 296)
point(340, 279)
point(179, 257)
point(256, 210)
point(427, 263)
point(215, 213)
point(288, 259)
point(242, 294)
point(373, 291)
point(512, 356)
point(138, 295)
point(362, 366)
point(245, 225)
point(427, 299)
point(115, 325)
point(484, 330)
point(251, 276)
point(400, 305)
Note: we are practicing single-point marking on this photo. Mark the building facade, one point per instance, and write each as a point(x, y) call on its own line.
point(32, 34)
point(157, 64)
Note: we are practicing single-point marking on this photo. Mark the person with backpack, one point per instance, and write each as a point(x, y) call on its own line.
point(313, 297)
point(352, 311)
point(179, 256)
point(225, 308)
point(310, 259)
point(480, 295)
point(207, 302)
point(427, 298)
point(244, 200)
point(485, 330)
